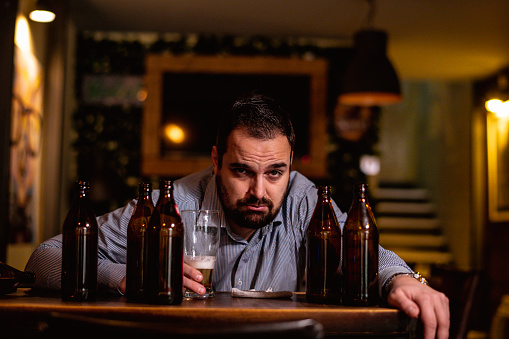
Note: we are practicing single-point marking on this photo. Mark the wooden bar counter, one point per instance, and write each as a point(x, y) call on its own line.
point(25, 309)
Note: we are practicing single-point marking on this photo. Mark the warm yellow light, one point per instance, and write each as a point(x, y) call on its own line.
point(174, 133)
point(499, 107)
point(493, 105)
point(22, 37)
point(504, 110)
point(141, 95)
point(42, 16)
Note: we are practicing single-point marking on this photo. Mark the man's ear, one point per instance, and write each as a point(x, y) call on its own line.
point(215, 159)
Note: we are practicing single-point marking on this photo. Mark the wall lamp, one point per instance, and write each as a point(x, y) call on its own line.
point(370, 79)
point(499, 104)
point(499, 107)
point(42, 12)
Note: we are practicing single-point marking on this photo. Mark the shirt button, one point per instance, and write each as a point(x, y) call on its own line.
point(239, 283)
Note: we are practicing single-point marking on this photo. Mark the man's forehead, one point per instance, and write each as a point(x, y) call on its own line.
point(246, 149)
point(241, 135)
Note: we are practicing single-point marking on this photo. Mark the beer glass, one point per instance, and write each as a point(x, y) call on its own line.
point(201, 241)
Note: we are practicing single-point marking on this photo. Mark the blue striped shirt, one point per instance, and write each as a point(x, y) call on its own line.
point(274, 258)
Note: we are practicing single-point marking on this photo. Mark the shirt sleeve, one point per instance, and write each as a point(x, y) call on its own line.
point(46, 263)
point(389, 264)
point(46, 260)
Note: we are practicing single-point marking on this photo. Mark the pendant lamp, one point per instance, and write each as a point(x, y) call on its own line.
point(370, 79)
point(42, 12)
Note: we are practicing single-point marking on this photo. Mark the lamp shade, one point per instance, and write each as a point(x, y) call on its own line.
point(42, 12)
point(370, 78)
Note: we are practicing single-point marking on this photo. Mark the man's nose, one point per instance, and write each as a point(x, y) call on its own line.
point(257, 188)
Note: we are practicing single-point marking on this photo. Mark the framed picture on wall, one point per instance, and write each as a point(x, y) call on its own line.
point(498, 167)
point(186, 96)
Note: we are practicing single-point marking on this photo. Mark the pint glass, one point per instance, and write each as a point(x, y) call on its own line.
point(201, 241)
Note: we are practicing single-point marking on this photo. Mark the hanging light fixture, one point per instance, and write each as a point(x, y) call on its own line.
point(370, 79)
point(42, 12)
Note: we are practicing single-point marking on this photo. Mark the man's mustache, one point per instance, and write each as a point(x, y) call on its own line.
point(252, 200)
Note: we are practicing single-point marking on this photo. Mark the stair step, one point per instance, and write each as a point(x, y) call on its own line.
point(422, 257)
point(386, 207)
point(401, 194)
point(414, 240)
point(392, 223)
point(408, 225)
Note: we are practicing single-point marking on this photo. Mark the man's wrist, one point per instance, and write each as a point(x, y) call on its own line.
point(415, 275)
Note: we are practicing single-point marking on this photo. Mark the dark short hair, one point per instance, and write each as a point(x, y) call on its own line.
point(260, 115)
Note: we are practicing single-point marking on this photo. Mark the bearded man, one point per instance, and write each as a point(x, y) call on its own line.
point(265, 210)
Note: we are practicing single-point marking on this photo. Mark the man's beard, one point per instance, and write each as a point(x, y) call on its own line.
point(240, 215)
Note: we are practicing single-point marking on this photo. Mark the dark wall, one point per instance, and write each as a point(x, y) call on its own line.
point(497, 263)
point(8, 10)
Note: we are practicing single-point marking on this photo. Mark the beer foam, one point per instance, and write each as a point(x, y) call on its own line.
point(202, 262)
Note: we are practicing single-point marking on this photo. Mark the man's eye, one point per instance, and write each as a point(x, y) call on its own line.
point(275, 173)
point(240, 170)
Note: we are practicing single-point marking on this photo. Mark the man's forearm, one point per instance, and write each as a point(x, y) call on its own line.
point(46, 263)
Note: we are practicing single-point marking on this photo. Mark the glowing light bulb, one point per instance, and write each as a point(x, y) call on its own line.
point(174, 133)
point(370, 164)
point(493, 105)
point(504, 109)
point(42, 16)
point(499, 107)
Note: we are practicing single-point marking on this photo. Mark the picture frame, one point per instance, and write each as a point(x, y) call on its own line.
point(288, 72)
point(498, 167)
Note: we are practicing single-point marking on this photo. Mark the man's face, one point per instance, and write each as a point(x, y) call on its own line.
point(253, 178)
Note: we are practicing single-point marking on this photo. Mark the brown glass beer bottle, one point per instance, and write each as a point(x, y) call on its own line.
point(165, 250)
point(79, 248)
point(137, 243)
point(360, 252)
point(323, 269)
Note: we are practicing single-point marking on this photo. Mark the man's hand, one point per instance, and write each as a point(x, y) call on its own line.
point(192, 277)
point(416, 299)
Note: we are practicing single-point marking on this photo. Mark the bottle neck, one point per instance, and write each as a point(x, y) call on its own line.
point(82, 190)
point(360, 192)
point(145, 191)
point(324, 194)
point(166, 190)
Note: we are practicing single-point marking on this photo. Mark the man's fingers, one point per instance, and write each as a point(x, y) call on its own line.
point(443, 316)
point(193, 286)
point(418, 300)
point(192, 273)
point(434, 314)
point(192, 277)
point(433, 310)
point(428, 317)
point(405, 304)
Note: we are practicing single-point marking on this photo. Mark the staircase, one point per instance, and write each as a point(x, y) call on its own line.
point(408, 226)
